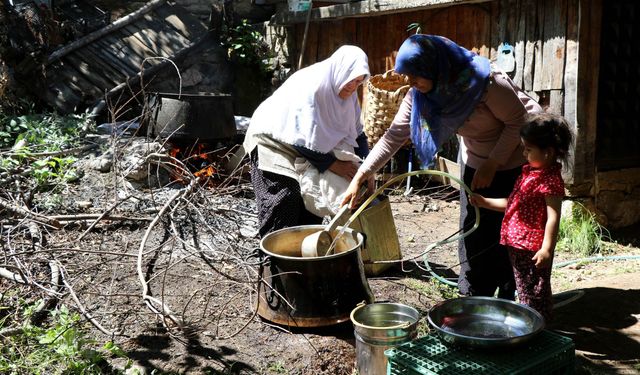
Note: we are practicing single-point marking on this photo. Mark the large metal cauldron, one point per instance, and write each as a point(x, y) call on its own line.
point(484, 322)
point(191, 116)
point(310, 292)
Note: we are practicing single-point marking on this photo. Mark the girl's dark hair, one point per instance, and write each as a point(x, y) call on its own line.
point(545, 130)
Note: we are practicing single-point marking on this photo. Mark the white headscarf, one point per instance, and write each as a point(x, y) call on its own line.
point(307, 111)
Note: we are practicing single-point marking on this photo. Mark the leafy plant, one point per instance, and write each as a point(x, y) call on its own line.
point(54, 170)
point(433, 288)
point(61, 348)
point(277, 367)
point(31, 134)
point(247, 46)
point(581, 233)
point(415, 26)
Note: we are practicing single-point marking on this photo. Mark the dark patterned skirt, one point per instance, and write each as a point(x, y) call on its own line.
point(278, 200)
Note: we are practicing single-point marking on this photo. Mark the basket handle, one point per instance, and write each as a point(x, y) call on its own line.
point(385, 74)
point(397, 92)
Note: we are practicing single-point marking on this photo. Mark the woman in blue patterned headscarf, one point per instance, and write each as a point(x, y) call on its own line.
point(456, 91)
point(458, 80)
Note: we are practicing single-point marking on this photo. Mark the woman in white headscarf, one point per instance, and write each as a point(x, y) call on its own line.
point(308, 134)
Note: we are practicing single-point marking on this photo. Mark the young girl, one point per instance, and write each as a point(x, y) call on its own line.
point(532, 211)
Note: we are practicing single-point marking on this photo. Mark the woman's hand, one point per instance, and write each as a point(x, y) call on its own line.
point(346, 169)
point(351, 194)
point(484, 175)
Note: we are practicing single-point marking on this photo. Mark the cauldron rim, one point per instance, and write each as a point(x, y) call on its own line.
point(359, 238)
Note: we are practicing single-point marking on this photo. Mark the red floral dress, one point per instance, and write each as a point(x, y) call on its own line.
point(523, 232)
point(526, 214)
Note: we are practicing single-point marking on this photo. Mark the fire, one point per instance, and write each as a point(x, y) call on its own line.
point(196, 158)
point(174, 152)
point(206, 172)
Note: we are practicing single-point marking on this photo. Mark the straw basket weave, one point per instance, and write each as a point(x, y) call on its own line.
point(384, 96)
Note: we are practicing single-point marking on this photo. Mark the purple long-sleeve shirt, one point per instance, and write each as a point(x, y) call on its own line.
point(491, 131)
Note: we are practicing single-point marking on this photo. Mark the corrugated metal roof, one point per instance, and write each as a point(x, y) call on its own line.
point(109, 59)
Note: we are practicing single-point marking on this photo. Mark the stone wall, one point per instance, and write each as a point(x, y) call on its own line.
point(617, 197)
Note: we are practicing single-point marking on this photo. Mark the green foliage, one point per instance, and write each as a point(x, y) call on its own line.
point(41, 132)
point(277, 368)
point(246, 46)
point(433, 288)
point(54, 170)
point(581, 234)
point(28, 135)
point(60, 348)
point(415, 26)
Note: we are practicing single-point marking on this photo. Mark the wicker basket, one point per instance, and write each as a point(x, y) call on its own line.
point(384, 96)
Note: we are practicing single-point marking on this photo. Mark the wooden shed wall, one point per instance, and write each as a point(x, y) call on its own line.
point(544, 33)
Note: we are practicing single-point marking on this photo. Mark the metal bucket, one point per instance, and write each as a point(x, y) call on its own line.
point(378, 327)
point(310, 292)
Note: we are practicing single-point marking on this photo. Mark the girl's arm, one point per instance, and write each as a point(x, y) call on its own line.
point(495, 204)
point(544, 256)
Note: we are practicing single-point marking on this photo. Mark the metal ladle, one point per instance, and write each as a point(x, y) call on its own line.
point(318, 243)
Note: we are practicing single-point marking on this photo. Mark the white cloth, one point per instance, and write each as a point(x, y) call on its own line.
point(322, 193)
point(307, 111)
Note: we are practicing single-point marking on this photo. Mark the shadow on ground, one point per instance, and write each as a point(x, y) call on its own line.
point(159, 348)
point(604, 325)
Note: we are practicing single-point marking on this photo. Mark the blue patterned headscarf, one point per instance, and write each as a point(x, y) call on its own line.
point(459, 79)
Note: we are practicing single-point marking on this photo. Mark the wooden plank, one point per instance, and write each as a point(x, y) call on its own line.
point(98, 49)
point(452, 20)
point(131, 52)
point(150, 39)
point(136, 45)
point(58, 93)
point(89, 38)
point(588, 74)
point(366, 9)
point(312, 48)
point(112, 76)
point(519, 43)
point(482, 32)
point(372, 45)
point(439, 21)
point(465, 30)
point(166, 35)
point(553, 50)
point(349, 31)
point(189, 26)
point(76, 81)
point(539, 45)
point(450, 167)
point(556, 101)
point(571, 85)
point(531, 36)
point(121, 54)
point(496, 31)
point(89, 72)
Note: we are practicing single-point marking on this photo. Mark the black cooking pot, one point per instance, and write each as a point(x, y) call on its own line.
point(310, 292)
point(191, 116)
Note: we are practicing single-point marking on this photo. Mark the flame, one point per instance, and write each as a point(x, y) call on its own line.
point(206, 172)
point(195, 157)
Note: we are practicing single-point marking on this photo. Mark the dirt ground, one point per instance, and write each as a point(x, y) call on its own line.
point(199, 265)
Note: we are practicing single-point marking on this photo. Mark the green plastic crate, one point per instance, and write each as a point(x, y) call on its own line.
point(547, 353)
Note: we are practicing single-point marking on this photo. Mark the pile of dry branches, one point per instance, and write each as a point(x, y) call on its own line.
point(186, 260)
